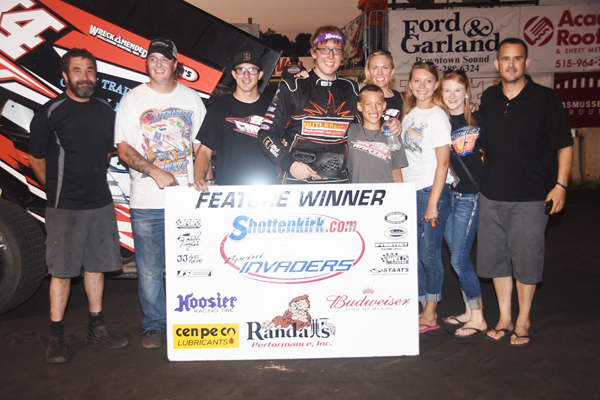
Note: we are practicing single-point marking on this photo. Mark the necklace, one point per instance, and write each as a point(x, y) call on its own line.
point(365, 134)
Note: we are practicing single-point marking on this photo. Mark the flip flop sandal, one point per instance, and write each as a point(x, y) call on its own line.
point(501, 338)
point(426, 328)
point(520, 337)
point(453, 318)
point(477, 332)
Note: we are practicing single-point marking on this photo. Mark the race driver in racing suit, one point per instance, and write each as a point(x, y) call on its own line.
point(312, 115)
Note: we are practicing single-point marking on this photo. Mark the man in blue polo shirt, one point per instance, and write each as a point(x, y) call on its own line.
point(528, 154)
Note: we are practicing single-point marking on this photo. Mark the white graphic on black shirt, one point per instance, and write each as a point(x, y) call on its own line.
point(248, 126)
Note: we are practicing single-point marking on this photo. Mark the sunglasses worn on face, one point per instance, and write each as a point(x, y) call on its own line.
point(243, 70)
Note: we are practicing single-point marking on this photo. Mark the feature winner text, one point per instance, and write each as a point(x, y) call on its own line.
point(308, 198)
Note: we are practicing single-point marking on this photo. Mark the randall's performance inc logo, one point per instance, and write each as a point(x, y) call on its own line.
point(296, 322)
point(206, 336)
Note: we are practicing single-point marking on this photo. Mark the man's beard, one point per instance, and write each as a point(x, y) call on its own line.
point(82, 89)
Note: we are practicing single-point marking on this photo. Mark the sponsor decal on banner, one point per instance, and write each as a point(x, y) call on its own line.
point(189, 240)
point(296, 322)
point(206, 336)
point(189, 259)
point(188, 223)
point(193, 273)
point(391, 245)
point(305, 271)
point(194, 303)
point(390, 271)
point(579, 93)
point(396, 217)
point(312, 230)
point(396, 233)
point(365, 302)
point(395, 259)
point(562, 38)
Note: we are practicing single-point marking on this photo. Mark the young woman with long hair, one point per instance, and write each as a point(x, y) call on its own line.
point(461, 227)
point(426, 137)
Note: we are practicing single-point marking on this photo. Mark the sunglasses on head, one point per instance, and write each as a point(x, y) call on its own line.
point(456, 71)
point(428, 63)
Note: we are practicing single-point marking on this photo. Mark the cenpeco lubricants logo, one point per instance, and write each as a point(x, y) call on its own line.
point(453, 35)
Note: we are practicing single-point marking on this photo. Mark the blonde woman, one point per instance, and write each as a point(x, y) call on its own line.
point(426, 139)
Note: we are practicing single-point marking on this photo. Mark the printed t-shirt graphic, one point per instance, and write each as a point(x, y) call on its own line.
point(413, 137)
point(248, 126)
point(464, 140)
point(166, 134)
point(376, 149)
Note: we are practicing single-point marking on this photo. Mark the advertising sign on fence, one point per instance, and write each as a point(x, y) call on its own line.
point(455, 38)
point(279, 272)
point(562, 38)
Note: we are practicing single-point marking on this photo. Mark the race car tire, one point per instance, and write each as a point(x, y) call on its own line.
point(22, 256)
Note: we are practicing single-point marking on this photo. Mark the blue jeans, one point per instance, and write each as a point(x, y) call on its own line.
point(430, 268)
point(461, 228)
point(148, 226)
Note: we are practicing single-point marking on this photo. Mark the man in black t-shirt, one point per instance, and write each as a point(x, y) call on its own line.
point(528, 154)
point(71, 138)
point(230, 128)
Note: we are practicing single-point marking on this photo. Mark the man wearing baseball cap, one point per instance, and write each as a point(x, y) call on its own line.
point(230, 128)
point(154, 131)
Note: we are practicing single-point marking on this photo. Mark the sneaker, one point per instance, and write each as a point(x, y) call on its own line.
point(152, 339)
point(57, 351)
point(101, 334)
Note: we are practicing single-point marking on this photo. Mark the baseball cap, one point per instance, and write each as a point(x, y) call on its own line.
point(246, 57)
point(163, 46)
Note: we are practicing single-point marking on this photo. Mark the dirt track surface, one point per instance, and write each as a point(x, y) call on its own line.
point(562, 361)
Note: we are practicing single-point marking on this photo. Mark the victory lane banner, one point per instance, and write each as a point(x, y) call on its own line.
point(297, 271)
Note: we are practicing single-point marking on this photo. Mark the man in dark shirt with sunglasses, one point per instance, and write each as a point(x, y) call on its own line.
point(231, 126)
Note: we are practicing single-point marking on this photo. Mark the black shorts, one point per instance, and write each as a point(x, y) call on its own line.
point(82, 238)
point(510, 240)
